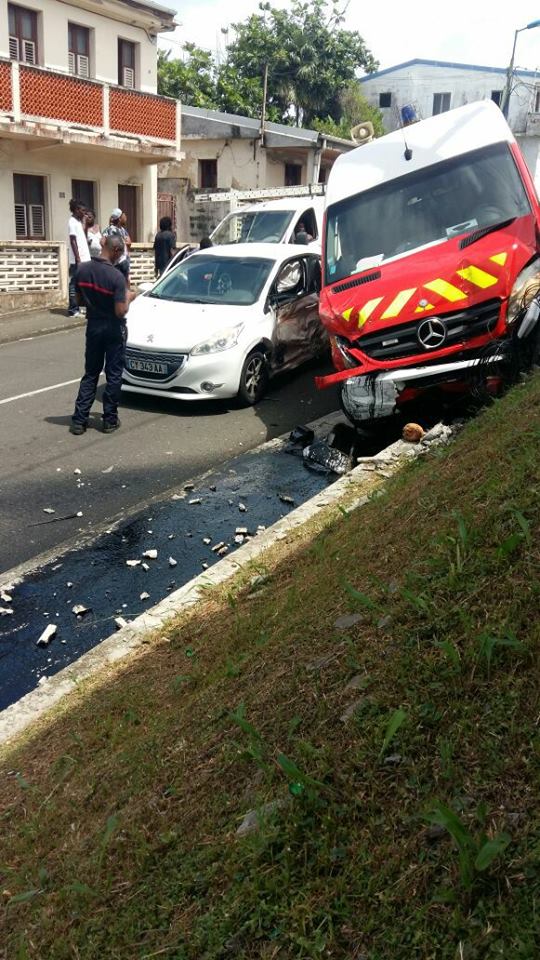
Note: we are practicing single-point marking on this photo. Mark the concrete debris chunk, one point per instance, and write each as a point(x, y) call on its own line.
point(48, 510)
point(144, 596)
point(207, 540)
point(189, 486)
point(6, 611)
point(171, 536)
point(178, 496)
point(133, 563)
point(172, 562)
point(150, 554)
point(195, 501)
point(120, 622)
point(145, 566)
point(285, 498)
point(42, 681)
point(261, 528)
point(239, 538)
point(69, 584)
point(252, 819)
point(347, 621)
point(223, 551)
point(242, 508)
point(241, 531)
point(218, 546)
point(77, 472)
point(5, 597)
point(439, 432)
point(108, 470)
point(204, 565)
point(80, 610)
point(47, 635)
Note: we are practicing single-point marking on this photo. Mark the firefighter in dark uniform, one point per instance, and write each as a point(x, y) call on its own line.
point(102, 290)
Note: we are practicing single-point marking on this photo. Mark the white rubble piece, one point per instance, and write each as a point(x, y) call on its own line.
point(242, 508)
point(195, 500)
point(77, 472)
point(150, 554)
point(218, 546)
point(133, 563)
point(120, 622)
point(47, 635)
point(144, 596)
point(48, 510)
point(173, 562)
point(6, 611)
point(145, 566)
point(80, 610)
point(207, 541)
point(5, 597)
point(285, 498)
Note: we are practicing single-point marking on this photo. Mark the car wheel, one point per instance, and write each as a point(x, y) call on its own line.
point(254, 378)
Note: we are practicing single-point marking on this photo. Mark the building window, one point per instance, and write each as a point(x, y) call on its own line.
point(23, 44)
point(385, 100)
point(29, 207)
point(496, 96)
point(84, 190)
point(79, 50)
point(293, 174)
point(126, 64)
point(208, 174)
point(441, 102)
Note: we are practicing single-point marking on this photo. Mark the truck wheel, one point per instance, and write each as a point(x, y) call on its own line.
point(254, 378)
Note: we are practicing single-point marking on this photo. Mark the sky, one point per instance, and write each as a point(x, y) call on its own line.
point(468, 31)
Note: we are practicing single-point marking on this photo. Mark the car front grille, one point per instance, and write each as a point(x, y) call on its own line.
point(174, 362)
point(393, 343)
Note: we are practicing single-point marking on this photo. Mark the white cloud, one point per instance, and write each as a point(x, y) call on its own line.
point(480, 32)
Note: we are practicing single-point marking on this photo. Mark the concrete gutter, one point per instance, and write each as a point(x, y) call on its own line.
point(354, 489)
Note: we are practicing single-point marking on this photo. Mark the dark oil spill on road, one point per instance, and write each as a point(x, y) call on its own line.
point(102, 581)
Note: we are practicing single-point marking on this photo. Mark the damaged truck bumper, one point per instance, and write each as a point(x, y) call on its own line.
point(376, 395)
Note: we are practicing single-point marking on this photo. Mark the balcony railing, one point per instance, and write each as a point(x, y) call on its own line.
point(29, 93)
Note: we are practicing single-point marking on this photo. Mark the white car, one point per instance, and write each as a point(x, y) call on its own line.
point(223, 321)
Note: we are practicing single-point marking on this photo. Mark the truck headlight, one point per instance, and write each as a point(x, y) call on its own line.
point(526, 287)
point(222, 340)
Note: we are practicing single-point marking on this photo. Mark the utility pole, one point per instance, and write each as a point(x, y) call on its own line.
point(263, 111)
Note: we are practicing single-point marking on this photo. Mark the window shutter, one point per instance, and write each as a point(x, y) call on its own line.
point(29, 51)
point(37, 221)
point(71, 62)
point(20, 221)
point(129, 78)
point(83, 65)
point(14, 48)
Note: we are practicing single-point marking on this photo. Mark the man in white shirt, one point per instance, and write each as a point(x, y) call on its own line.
point(77, 250)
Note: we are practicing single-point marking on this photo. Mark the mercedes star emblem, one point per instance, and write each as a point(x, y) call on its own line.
point(431, 333)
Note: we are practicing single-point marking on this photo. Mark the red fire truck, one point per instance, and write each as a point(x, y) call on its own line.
point(431, 261)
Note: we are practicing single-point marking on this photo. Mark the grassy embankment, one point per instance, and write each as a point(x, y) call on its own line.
point(404, 749)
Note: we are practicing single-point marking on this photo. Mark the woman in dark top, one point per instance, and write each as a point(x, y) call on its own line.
point(164, 245)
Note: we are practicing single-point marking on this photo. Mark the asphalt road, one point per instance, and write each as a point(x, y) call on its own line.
point(160, 444)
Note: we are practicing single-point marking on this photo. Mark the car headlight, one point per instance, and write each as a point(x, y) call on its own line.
point(222, 340)
point(526, 287)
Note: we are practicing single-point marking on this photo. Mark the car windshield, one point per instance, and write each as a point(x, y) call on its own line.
point(433, 205)
point(213, 279)
point(255, 226)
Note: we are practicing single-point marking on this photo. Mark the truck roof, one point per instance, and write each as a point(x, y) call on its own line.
point(439, 138)
point(283, 203)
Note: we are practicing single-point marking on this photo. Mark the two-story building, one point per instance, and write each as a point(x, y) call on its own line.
point(422, 88)
point(79, 114)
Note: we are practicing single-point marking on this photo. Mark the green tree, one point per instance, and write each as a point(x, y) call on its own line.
point(311, 59)
point(191, 80)
point(354, 109)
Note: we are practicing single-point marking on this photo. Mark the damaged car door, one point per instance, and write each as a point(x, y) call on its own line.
point(298, 332)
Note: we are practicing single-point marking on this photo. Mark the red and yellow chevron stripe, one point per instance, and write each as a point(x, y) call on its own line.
point(468, 279)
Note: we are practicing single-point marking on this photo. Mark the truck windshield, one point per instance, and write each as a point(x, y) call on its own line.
point(255, 226)
point(429, 206)
point(213, 279)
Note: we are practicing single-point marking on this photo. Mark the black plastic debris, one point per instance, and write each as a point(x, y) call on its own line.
point(334, 454)
point(301, 435)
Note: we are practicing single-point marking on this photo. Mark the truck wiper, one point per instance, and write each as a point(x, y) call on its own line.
point(483, 232)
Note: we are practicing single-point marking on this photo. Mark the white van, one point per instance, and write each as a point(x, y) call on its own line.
point(273, 221)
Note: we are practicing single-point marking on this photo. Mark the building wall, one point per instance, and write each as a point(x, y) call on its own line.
point(53, 41)
point(59, 165)
point(418, 83)
point(241, 164)
point(530, 148)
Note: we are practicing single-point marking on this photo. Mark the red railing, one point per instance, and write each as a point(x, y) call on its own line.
point(6, 95)
point(49, 95)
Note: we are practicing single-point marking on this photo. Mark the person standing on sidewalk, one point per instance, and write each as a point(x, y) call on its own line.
point(117, 228)
point(93, 233)
point(102, 289)
point(78, 251)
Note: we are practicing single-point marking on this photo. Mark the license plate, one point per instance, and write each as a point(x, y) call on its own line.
point(147, 366)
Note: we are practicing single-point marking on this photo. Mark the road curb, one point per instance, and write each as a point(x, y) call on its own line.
point(354, 489)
